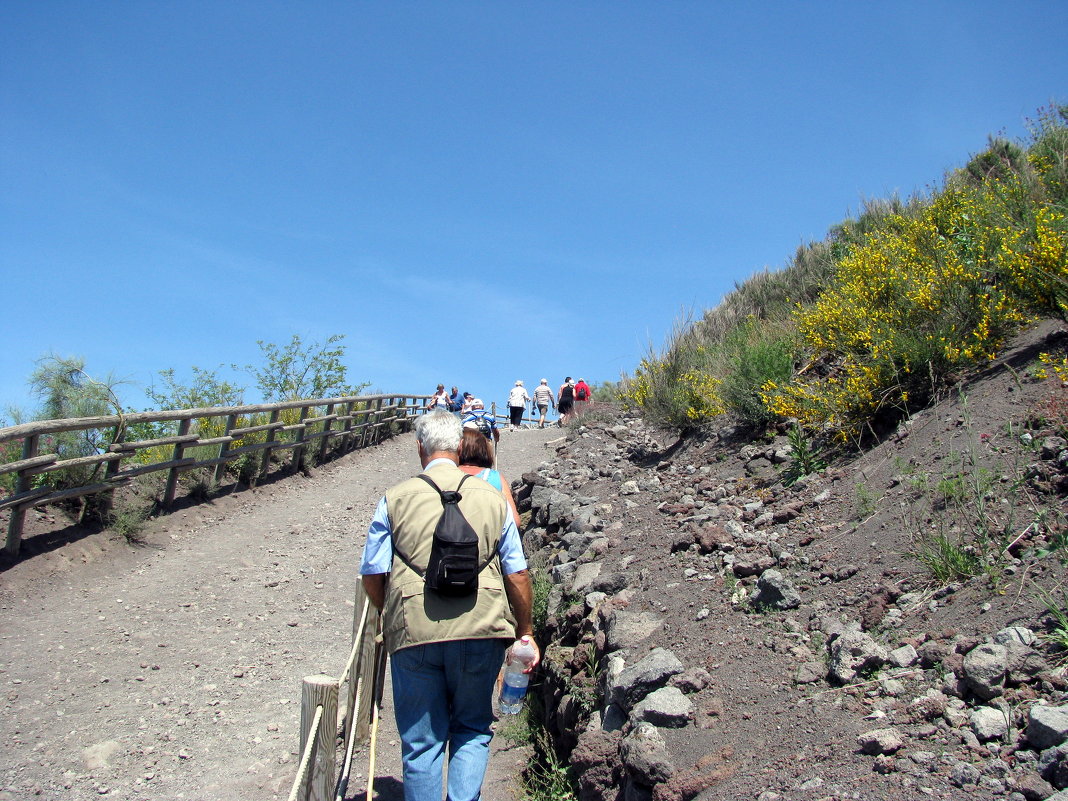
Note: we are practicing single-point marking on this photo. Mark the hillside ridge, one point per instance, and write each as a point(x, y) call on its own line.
point(714, 634)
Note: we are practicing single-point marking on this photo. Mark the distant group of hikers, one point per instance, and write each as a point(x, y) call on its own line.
point(569, 399)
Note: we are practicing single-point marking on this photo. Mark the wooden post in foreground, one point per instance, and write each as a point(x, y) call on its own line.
point(363, 669)
point(18, 513)
point(320, 690)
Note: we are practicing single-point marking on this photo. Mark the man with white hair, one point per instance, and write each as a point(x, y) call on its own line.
point(445, 652)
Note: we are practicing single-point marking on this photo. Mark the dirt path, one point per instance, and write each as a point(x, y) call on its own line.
point(173, 670)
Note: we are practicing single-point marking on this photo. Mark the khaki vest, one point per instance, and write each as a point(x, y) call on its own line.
point(415, 614)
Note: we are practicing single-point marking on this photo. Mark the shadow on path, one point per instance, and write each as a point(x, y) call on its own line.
point(386, 788)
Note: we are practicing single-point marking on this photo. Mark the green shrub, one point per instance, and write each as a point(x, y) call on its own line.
point(947, 558)
point(680, 388)
point(756, 355)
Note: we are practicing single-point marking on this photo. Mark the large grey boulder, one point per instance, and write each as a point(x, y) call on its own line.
point(854, 652)
point(626, 629)
point(1047, 726)
point(1015, 634)
point(774, 590)
point(551, 507)
point(666, 707)
point(984, 670)
point(645, 755)
point(650, 673)
point(989, 723)
point(585, 575)
point(561, 573)
point(904, 657)
point(881, 741)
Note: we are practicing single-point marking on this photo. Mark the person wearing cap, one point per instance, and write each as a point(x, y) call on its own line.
point(543, 396)
point(517, 404)
point(480, 419)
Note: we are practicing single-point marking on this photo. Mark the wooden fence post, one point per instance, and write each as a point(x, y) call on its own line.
point(220, 468)
point(298, 451)
point(363, 668)
point(179, 452)
point(316, 691)
point(266, 461)
point(18, 513)
point(346, 440)
point(369, 420)
point(379, 414)
point(107, 498)
point(327, 427)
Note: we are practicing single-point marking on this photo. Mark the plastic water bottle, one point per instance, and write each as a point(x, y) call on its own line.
point(514, 686)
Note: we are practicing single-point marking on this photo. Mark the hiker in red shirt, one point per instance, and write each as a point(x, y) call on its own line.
point(582, 395)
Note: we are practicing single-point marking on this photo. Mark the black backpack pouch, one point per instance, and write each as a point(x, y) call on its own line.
point(453, 567)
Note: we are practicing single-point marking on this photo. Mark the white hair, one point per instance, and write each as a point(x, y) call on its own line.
point(438, 432)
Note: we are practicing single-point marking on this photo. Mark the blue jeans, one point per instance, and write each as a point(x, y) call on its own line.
point(443, 695)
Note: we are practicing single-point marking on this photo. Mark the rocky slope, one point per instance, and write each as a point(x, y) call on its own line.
point(712, 633)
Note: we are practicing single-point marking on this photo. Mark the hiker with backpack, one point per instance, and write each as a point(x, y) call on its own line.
point(481, 419)
point(543, 396)
point(582, 396)
point(446, 638)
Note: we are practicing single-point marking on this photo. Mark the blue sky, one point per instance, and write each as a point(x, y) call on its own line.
point(470, 192)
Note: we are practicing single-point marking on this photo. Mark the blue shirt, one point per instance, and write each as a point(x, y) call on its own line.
point(378, 550)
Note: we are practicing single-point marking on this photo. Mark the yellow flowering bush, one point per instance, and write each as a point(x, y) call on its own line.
point(918, 300)
point(675, 388)
point(1058, 366)
point(907, 299)
point(1035, 261)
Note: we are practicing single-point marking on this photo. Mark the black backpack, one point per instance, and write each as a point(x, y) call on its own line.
point(453, 566)
point(482, 423)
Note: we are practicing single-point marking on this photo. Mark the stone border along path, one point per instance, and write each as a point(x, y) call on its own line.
point(174, 670)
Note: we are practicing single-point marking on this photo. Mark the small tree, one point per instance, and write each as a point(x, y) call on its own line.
point(66, 390)
point(298, 370)
point(206, 389)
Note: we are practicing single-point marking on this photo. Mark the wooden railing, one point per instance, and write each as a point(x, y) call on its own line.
point(314, 426)
point(319, 777)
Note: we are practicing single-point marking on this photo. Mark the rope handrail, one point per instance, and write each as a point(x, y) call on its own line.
point(305, 759)
point(322, 692)
point(356, 640)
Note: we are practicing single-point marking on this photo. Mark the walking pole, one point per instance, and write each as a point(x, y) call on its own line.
point(376, 712)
